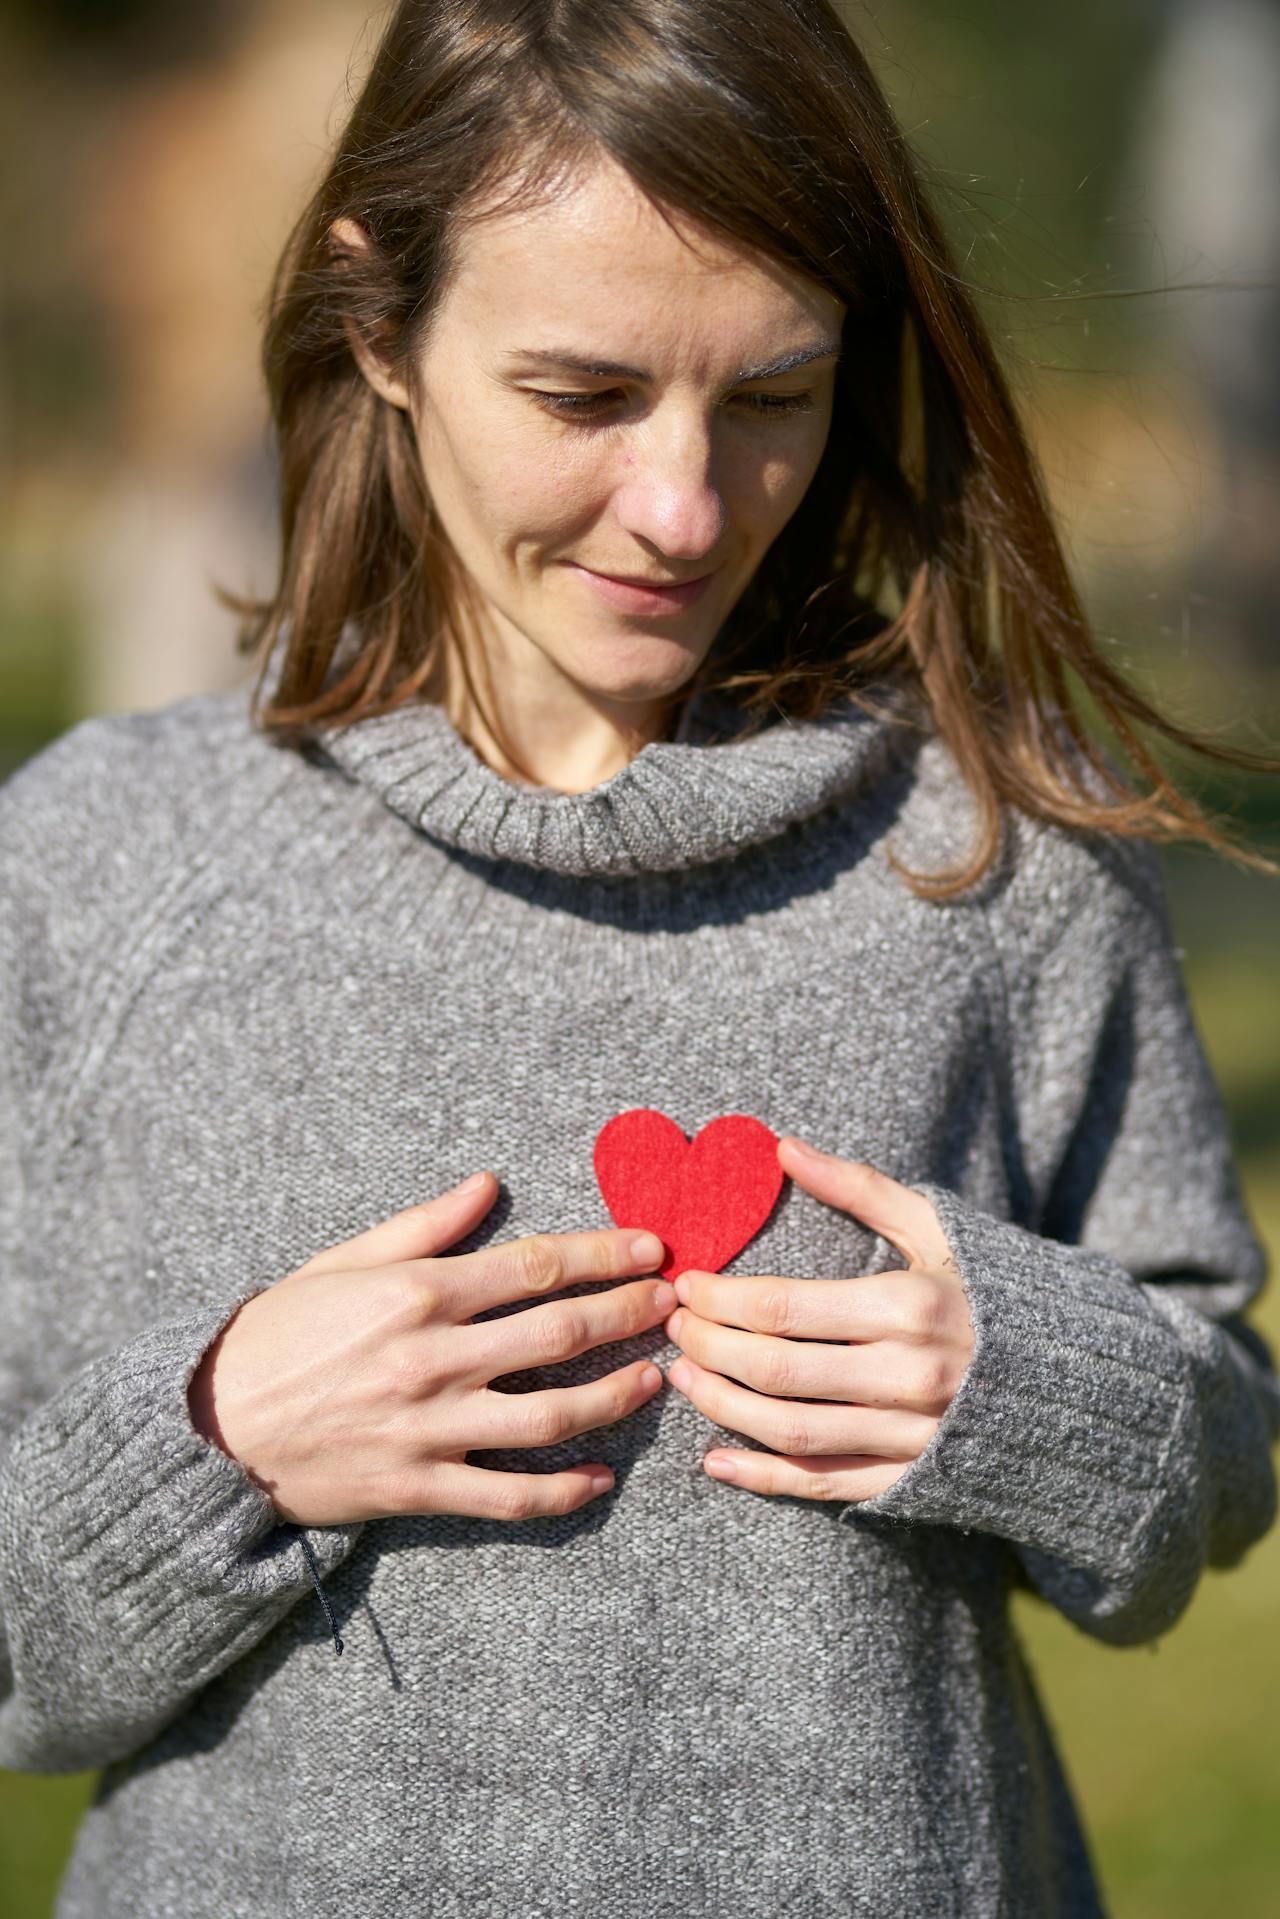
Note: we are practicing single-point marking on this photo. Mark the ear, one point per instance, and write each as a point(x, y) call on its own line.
point(348, 236)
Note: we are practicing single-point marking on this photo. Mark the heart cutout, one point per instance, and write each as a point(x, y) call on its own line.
point(705, 1198)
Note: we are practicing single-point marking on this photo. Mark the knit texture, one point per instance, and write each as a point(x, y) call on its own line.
point(253, 1001)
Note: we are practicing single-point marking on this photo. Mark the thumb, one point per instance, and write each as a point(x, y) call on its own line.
point(904, 1218)
point(419, 1232)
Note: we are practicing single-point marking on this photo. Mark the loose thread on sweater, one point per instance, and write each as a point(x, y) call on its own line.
point(314, 1569)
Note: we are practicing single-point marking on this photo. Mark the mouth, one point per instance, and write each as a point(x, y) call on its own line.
point(644, 596)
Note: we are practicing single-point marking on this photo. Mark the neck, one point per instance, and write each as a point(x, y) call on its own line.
point(538, 728)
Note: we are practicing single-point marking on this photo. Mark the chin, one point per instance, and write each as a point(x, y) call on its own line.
point(641, 696)
point(646, 667)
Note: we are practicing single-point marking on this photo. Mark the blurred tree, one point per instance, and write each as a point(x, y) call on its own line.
point(1206, 158)
point(140, 33)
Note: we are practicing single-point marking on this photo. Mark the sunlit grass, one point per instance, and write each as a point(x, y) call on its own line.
point(38, 1819)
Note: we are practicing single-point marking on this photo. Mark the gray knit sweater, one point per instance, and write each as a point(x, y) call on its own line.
point(253, 1001)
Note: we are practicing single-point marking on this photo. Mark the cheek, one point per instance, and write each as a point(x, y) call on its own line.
point(553, 493)
point(781, 480)
point(511, 489)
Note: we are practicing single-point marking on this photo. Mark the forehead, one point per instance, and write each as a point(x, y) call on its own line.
point(599, 258)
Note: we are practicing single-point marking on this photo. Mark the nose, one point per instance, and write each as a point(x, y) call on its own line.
point(668, 494)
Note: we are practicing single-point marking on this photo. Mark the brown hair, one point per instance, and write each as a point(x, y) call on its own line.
point(924, 550)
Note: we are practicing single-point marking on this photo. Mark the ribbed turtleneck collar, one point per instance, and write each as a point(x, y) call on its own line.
point(678, 803)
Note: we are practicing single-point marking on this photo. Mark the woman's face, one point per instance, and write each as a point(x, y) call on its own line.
point(671, 454)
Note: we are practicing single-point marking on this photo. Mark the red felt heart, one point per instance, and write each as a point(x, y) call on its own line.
point(704, 1198)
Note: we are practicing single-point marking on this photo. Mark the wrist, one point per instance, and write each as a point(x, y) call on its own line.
point(202, 1398)
point(207, 1390)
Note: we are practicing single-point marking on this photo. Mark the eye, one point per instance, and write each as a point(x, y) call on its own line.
point(779, 402)
point(581, 406)
point(586, 408)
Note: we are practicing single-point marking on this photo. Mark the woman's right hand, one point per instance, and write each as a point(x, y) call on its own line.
point(354, 1388)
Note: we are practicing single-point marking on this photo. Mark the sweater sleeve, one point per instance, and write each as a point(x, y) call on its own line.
point(1116, 1419)
point(137, 1560)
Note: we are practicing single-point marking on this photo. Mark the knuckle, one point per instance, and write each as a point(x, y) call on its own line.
point(545, 1419)
point(792, 1435)
point(607, 1255)
point(424, 1295)
point(561, 1494)
point(512, 1497)
point(774, 1309)
point(920, 1313)
point(821, 1486)
point(405, 1295)
point(637, 1306)
point(777, 1371)
point(543, 1263)
point(557, 1334)
point(933, 1382)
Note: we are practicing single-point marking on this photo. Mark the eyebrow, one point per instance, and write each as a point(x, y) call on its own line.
point(615, 370)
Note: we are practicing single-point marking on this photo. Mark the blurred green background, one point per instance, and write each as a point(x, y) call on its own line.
point(1104, 174)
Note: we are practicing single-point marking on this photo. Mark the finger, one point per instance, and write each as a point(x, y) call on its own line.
point(480, 1492)
point(495, 1421)
point(417, 1232)
point(546, 1335)
point(796, 1427)
point(887, 1374)
point(903, 1217)
point(871, 1306)
point(544, 1263)
point(844, 1476)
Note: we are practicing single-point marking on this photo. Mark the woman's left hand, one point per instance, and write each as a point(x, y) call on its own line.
point(883, 1354)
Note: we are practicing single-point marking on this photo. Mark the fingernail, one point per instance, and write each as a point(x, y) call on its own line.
point(647, 1246)
point(803, 1147)
point(470, 1185)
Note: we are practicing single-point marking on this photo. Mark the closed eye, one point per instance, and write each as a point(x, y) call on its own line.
point(587, 408)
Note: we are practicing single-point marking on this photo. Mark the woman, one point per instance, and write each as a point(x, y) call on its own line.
point(631, 764)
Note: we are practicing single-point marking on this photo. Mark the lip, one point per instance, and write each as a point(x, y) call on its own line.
point(630, 597)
